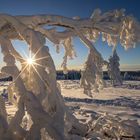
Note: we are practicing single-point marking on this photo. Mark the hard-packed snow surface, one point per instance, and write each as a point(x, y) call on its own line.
point(123, 101)
point(115, 105)
point(113, 113)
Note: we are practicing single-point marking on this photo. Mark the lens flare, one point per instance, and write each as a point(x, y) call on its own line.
point(30, 61)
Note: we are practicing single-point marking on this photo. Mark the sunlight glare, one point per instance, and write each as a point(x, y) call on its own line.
point(30, 61)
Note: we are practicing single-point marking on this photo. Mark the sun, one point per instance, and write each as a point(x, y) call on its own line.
point(30, 61)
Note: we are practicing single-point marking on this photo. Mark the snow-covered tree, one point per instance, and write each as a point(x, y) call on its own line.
point(35, 85)
point(114, 70)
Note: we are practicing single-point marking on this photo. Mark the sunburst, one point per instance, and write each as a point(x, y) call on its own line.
point(30, 62)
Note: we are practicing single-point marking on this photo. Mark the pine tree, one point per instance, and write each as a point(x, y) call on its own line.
point(114, 70)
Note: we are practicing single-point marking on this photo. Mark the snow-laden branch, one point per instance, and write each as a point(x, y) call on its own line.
point(114, 23)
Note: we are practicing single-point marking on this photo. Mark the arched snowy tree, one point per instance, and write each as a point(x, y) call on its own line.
point(35, 85)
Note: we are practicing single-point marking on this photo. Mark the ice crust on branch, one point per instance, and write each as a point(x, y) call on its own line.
point(69, 53)
point(92, 74)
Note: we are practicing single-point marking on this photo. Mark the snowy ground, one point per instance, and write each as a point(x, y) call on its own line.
point(121, 101)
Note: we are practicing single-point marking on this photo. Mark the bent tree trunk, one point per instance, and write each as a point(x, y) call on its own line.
point(42, 99)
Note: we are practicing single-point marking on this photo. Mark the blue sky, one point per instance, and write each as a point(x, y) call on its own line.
point(129, 59)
